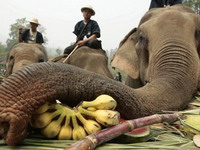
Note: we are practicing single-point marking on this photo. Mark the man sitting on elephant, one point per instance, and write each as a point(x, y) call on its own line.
point(87, 31)
point(163, 3)
point(31, 35)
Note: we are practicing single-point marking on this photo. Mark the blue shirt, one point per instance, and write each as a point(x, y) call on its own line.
point(92, 28)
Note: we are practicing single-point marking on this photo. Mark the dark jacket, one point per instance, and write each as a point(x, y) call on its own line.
point(162, 3)
point(92, 28)
point(26, 33)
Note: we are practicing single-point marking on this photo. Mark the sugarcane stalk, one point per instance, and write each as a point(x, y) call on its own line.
point(92, 141)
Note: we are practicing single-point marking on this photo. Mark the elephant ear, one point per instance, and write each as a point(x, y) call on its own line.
point(126, 58)
point(9, 65)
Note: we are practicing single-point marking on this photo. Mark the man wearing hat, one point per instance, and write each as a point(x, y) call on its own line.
point(163, 3)
point(32, 35)
point(87, 31)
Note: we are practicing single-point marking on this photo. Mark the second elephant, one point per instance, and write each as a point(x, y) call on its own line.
point(94, 60)
point(24, 54)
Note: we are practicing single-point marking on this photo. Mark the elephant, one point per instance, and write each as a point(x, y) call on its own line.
point(94, 60)
point(23, 54)
point(165, 49)
point(160, 49)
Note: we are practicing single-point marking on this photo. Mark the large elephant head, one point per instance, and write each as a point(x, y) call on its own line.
point(23, 54)
point(94, 60)
point(164, 48)
point(165, 57)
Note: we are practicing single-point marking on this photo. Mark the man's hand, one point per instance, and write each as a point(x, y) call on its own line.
point(81, 43)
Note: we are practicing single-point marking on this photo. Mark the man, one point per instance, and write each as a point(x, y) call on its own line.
point(118, 77)
point(163, 3)
point(87, 31)
point(31, 35)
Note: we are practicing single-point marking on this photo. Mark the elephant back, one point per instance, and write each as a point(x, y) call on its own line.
point(94, 60)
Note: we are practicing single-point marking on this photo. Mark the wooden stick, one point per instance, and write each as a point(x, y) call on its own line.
point(70, 54)
point(91, 141)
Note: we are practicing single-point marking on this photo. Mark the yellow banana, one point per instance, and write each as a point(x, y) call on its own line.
point(104, 102)
point(53, 128)
point(107, 117)
point(43, 108)
point(66, 130)
point(42, 120)
point(90, 126)
point(65, 133)
point(91, 108)
point(78, 131)
point(46, 107)
point(104, 117)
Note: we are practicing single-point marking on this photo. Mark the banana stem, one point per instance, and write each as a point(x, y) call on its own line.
point(81, 118)
point(92, 141)
point(67, 121)
point(87, 103)
point(74, 122)
point(60, 119)
point(68, 110)
point(86, 112)
point(56, 113)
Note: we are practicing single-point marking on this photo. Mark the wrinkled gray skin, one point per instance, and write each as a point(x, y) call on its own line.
point(94, 60)
point(164, 48)
point(169, 40)
point(24, 54)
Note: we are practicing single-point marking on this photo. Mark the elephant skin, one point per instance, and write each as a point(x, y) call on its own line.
point(94, 60)
point(165, 46)
point(169, 83)
point(152, 50)
point(24, 54)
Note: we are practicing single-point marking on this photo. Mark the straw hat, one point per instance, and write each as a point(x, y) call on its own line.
point(34, 20)
point(90, 8)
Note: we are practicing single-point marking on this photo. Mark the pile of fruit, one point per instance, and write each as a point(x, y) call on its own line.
point(63, 122)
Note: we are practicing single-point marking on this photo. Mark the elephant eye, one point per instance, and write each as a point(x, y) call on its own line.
point(41, 60)
point(197, 34)
point(141, 37)
point(11, 57)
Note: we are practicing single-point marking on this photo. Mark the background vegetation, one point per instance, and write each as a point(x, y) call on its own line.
point(194, 4)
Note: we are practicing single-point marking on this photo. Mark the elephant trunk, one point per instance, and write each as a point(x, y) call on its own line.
point(173, 76)
point(24, 91)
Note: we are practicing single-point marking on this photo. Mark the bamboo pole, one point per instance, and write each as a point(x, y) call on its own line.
point(70, 54)
point(92, 141)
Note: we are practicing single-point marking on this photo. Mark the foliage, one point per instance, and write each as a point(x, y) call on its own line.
point(2, 49)
point(13, 35)
point(194, 4)
point(58, 51)
point(162, 137)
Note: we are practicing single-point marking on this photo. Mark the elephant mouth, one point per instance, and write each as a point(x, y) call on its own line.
point(4, 127)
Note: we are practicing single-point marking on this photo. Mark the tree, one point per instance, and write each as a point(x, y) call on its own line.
point(14, 29)
point(2, 49)
point(58, 51)
point(194, 4)
point(13, 35)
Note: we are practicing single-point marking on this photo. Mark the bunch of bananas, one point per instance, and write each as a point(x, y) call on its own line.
point(63, 122)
